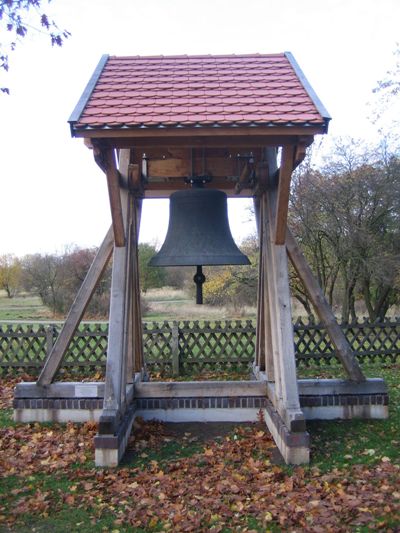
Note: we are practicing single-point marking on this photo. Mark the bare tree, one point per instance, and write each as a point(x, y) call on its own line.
point(346, 216)
point(17, 18)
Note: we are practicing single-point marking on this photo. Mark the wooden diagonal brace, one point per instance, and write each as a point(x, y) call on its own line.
point(77, 310)
point(323, 309)
point(282, 203)
point(113, 179)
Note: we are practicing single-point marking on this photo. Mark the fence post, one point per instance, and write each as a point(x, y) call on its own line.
point(175, 349)
point(49, 338)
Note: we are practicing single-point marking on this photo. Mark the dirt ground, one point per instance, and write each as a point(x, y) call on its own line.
point(210, 431)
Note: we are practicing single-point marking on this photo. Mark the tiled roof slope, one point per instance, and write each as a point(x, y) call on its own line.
point(187, 91)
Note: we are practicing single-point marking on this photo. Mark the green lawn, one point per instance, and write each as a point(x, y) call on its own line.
point(159, 305)
point(22, 307)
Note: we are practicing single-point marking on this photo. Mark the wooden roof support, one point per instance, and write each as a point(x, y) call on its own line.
point(244, 177)
point(323, 309)
point(112, 175)
point(282, 204)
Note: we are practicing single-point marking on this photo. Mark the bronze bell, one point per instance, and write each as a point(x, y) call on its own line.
point(198, 234)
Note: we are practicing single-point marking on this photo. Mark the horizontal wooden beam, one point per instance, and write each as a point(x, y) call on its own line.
point(251, 132)
point(113, 179)
point(164, 189)
point(196, 152)
point(224, 141)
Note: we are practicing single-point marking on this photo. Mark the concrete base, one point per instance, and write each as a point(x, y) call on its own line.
point(329, 399)
point(109, 449)
point(347, 412)
point(294, 446)
point(209, 401)
point(200, 415)
point(56, 415)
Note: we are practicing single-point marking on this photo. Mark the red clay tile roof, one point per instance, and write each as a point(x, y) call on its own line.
point(179, 91)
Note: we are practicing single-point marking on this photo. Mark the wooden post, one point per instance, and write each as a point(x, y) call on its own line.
point(127, 334)
point(115, 382)
point(138, 361)
point(77, 311)
point(267, 348)
point(260, 355)
point(175, 349)
point(286, 389)
point(49, 338)
point(323, 309)
point(135, 349)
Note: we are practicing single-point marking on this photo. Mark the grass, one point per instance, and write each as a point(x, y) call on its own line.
point(22, 307)
point(162, 304)
point(348, 442)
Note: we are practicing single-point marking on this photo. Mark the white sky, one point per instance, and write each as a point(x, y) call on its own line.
point(51, 191)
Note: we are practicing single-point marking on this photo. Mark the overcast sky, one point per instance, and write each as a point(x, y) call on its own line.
point(51, 191)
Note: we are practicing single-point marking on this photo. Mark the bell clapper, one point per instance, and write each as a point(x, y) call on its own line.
point(199, 278)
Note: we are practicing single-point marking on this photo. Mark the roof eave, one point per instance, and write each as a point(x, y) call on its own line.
point(199, 131)
point(83, 100)
point(312, 94)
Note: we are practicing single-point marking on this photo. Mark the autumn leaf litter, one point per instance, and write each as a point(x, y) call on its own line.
point(219, 484)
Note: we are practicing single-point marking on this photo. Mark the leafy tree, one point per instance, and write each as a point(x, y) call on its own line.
point(57, 279)
point(234, 285)
point(42, 274)
point(17, 18)
point(75, 265)
point(10, 274)
point(150, 277)
point(180, 278)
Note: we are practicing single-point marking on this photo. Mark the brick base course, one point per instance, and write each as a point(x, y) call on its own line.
point(248, 402)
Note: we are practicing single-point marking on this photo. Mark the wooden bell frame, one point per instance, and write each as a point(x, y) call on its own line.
point(243, 162)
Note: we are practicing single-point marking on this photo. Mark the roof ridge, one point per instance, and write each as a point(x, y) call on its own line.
point(200, 56)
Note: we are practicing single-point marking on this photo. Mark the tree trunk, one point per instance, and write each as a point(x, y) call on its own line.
point(10, 293)
point(345, 300)
point(305, 303)
point(332, 286)
point(383, 303)
point(367, 299)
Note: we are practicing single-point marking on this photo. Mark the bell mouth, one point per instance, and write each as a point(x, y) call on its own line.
point(176, 260)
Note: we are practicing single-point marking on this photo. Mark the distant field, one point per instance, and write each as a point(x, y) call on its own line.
point(160, 304)
point(22, 307)
point(175, 304)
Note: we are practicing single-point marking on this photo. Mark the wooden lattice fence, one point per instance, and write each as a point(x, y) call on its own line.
point(189, 347)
